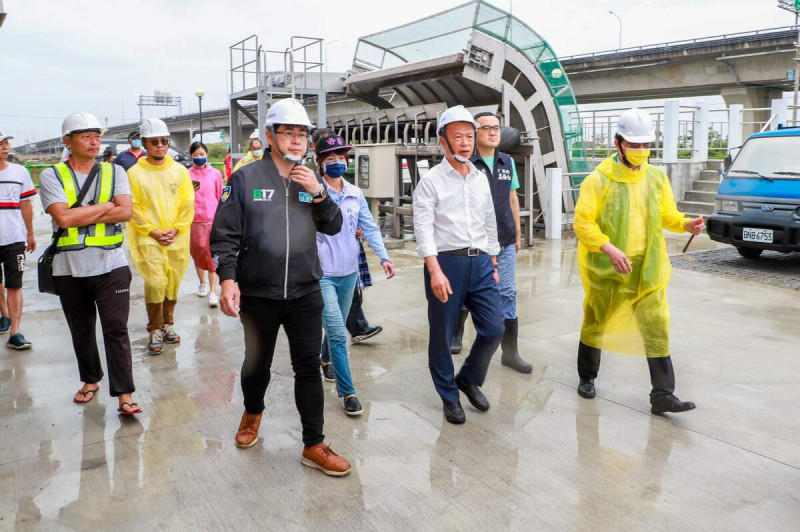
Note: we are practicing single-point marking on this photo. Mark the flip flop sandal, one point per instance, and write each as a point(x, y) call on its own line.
point(134, 406)
point(84, 394)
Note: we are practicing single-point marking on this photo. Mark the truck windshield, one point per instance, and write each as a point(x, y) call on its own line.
point(771, 157)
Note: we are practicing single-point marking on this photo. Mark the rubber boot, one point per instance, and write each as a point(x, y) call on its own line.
point(455, 343)
point(511, 356)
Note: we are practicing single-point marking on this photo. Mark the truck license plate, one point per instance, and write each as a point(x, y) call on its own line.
point(757, 235)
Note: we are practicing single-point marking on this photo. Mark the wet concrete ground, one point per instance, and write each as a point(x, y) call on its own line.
point(772, 267)
point(541, 459)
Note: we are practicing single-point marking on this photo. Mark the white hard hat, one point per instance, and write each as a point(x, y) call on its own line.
point(254, 134)
point(455, 114)
point(153, 127)
point(288, 111)
point(636, 126)
point(77, 122)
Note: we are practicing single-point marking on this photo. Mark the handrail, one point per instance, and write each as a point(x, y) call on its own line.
point(771, 118)
point(361, 130)
point(290, 53)
point(427, 129)
point(416, 125)
point(684, 41)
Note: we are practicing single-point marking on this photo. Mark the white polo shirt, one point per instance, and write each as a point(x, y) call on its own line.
point(15, 186)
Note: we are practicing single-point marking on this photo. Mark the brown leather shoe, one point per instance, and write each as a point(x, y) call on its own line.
point(248, 430)
point(321, 457)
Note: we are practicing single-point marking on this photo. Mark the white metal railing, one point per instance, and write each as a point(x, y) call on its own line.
point(559, 194)
point(678, 136)
point(676, 126)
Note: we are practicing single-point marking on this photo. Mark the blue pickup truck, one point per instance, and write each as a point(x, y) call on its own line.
point(758, 202)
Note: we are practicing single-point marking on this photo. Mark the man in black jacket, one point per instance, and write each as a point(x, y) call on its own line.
point(501, 171)
point(264, 246)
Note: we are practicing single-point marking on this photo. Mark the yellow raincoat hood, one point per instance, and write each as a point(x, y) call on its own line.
point(247, 159)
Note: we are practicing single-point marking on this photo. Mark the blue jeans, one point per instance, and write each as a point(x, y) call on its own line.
point(337, 295)
point(472, 282)
point(507, 268)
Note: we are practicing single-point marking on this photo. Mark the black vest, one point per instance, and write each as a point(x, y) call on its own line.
point(500, 183)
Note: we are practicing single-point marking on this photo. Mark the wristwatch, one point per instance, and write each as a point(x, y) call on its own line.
point(321, 193)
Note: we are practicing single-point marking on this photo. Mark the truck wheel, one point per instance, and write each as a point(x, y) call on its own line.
point(750, 253)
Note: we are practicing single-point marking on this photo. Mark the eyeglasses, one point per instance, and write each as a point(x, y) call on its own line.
point(292, 135)
point(164, 141)
point(487, 129)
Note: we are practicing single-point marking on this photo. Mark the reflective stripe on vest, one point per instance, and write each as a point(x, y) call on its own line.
point(108, 236)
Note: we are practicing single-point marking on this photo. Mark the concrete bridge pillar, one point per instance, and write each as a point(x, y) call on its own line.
point(780, 110)
point(181, 139)
point(752, 98)
point(672, 110)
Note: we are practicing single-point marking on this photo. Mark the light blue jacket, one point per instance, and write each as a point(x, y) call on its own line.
point(338, 254)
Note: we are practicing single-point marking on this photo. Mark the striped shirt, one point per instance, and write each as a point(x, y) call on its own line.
point(15, 186)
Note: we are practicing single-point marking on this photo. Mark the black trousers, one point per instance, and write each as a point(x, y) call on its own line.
point(302, 320)
point(82, 299)
point(356, 321)
point(662, 374)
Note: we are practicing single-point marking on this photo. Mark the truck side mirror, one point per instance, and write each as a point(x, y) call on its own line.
point(726, 163)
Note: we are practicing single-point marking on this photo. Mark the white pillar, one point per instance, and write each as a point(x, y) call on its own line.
point(670, 144)
point(779, 111)
point(553, 217)
point(735, 112)
point(700, 133)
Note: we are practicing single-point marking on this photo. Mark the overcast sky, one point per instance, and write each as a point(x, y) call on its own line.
point(61, 56)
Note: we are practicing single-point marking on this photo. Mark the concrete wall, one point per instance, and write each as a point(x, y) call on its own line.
point(681, 174)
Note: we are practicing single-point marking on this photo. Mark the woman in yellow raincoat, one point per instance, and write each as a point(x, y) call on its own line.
point(623, 207)
point(255, 153)
point(159, 230)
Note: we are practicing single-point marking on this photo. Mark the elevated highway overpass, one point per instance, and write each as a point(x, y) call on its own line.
point(747, 68)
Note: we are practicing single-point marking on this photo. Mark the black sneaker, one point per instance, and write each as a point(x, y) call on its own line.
point(18, 342)
point(5, 324)
point(327, 372)
point(352, 407)
point(369, 333)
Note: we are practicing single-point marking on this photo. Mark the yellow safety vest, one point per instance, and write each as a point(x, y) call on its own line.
point(106, 236)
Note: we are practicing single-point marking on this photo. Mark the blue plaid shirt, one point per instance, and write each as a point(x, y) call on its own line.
point(364, 278)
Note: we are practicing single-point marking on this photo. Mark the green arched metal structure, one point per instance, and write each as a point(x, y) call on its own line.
point(446, 32)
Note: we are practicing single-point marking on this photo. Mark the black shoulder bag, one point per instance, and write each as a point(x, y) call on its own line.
point(45, 265)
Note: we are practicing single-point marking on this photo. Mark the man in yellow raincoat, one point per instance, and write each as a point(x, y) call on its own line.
point(623, 207)
point(158, 233)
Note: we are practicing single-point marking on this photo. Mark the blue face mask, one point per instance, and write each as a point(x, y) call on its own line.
point(136, 143)
point(334, 169)
point(258, 153)
point(199, 161)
